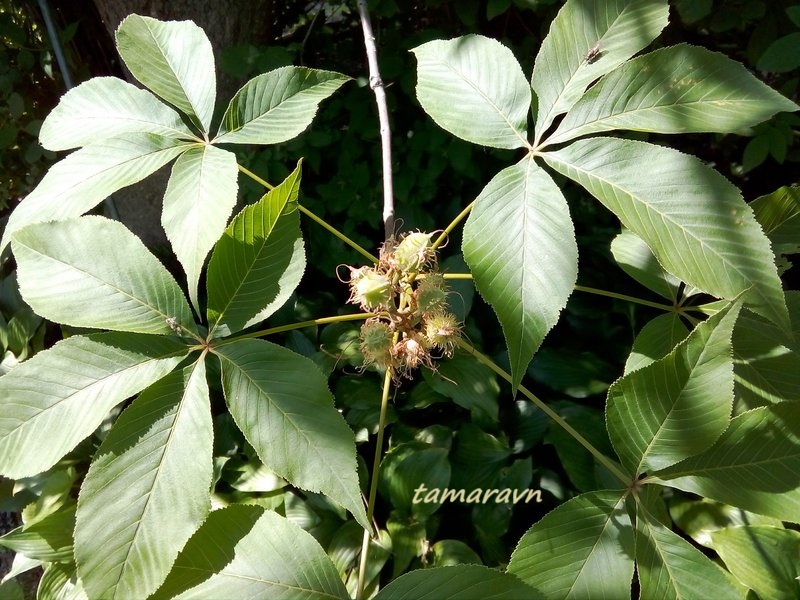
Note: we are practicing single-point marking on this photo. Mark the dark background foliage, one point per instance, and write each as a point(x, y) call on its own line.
point(436, 176)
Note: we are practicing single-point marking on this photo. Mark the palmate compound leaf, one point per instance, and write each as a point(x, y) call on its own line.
point(258, 262)
point(200, 196)
point(680, 89)
point(88, 176)
point(277, 106)
point(248, 552)
point(93, 272)
point(474, 88)
point(281, 402)
point(107, 107)
point(147, 490)
point(670, 567)
point(458, 582)
point(693, 219)
point(754, 465)
point(677, 406)
point(174, 59)
point(52, 401)
point(582, 549)
point(587, 39)
point(520, 246)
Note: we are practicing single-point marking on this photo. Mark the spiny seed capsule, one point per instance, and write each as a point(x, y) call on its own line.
point(431, 294)
point(376, 343)
point(369, 289)
point(414, 252)
point(412, 353)
point(442, 331)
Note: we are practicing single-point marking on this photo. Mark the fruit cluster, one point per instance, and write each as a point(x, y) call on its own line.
point(412, 325)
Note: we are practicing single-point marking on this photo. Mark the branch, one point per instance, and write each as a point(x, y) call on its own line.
point(376, 83)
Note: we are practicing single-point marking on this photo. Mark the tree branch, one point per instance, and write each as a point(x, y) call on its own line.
point(376, 83)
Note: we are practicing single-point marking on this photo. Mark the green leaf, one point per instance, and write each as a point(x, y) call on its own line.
point(762, 558)
point(51, 402)
point(656, 339)
point(520, 245)
point(693, 219)
point(460, 582)
point(277, 106)
point(580, 465)
point(582, 549)
point(404, 474)
point(49, 540)
point(147, 490)
point(754, 465)
point(474, 88)
point(700, 518)
point(200, 197)
point(634, 257)
point(258, 262)
point(60, 582)
point(281, 403)
point(670, 567)
point(408, 537)
point(173, 59)
point(781, 55)
point(447, 553)
point(107, 107)
point(93, 272)
point(248, 552)
point(88, 176)
point(766, 370)
point(676, 406)
point(477, 389)
point(680, 89)
point(615, 29)
point(779, 215)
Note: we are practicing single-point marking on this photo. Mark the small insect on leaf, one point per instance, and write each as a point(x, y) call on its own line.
point(593, 54)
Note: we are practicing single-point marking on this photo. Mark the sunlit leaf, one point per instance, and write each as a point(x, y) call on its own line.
point(693, 219)
point(106, 107)
point(474, 88)
point(676, 406)
point(670, 567)
point(766, 364)
point(258, 262)
point(755, 464)
point(587, 39)
point(281, 402)
point(277, 106)
point(520, 246)
point(247, 552)
point(147, 490)
point(582, 549)
point(52, 401)
point(655, 340)
point(174, 59)
point(49, 540)
point(762, 558)
point(680, 89)
point(93, 272)
point(88, 176)
point(200, 196)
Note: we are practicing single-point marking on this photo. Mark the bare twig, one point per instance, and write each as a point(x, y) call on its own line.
point(376, 83)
